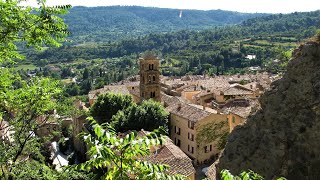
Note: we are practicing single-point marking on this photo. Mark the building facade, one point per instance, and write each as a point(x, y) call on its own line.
point(198, 132)
point(149, 78)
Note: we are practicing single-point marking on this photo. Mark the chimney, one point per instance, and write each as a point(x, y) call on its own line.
point(179, 106)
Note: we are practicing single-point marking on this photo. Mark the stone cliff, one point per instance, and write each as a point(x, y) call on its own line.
point(283, 137)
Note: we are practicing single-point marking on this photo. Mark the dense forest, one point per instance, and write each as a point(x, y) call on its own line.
point(103, 24)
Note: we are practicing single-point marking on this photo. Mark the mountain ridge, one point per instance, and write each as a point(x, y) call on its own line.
point(94, 24)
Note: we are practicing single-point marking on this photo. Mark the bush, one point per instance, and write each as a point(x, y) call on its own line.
point(318, 35)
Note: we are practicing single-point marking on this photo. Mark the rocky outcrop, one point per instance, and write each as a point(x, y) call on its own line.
point(283, 137)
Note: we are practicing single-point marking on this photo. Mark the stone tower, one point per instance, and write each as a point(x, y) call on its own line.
point(149, 78)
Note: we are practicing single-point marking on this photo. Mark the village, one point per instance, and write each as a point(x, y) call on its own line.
point(203, 111)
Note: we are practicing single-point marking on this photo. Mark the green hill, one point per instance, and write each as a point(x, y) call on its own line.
point(101, 24)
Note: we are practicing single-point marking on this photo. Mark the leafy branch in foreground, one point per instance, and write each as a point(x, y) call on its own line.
point(32, 26)
point(25, 107)
point(122, 158)
point(250, 175)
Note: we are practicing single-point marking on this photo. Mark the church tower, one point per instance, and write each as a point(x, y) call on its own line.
point(149, 77)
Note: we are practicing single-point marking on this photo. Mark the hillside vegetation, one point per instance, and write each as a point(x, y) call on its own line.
point(101, 24)
point(223, 47)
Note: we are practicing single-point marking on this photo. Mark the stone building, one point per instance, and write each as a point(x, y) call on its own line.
point(197, 130)
point(149, 78)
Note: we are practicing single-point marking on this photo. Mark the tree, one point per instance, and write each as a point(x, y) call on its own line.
point(318, 35)
point(108, 105)
point(22, 105)
point(149, 115)
point(226, 175)
point(245, 175)
point(32, 26)
point(85, 74)
point(122, 158)
point(22, 108)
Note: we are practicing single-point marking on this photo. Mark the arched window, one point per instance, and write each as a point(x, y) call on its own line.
point(154, 78)
point(149, 79)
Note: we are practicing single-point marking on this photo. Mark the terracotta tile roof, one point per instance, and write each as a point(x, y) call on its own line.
point(242, 111)
point(173, 156)
point(169, 100)
point(168, 154)
point(118, 89)
point(188, 111)
point(237, 89)
point(135, 91)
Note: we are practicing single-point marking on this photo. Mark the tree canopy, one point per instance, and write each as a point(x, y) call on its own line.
point(29, 26)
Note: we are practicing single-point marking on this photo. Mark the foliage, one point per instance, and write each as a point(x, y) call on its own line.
point(250, 175)
point(123, 22)
point(108, 105)
point(149, 115)
point(33, 26)
point(122, 158)
point(213, 132)
point(216, 50)
point(226, 175)
point(318, 35)
point(22, 103)
point(35, 170)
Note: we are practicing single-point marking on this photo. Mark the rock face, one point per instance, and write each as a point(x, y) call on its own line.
point(283, 137)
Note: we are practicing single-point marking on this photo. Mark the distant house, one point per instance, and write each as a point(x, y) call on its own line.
point(5, 132)
point(251, 56)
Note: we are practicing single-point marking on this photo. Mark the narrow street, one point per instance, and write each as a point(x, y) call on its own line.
point(59, 159)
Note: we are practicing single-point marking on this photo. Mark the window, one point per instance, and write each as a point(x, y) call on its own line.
point(208, 148)
point(233, 119)
point(190, 136)
point(177, 142)
point(177, 130)
point(151, 66)
point(190, 124)
point(152, 94)
point(190, 148)
point(154, 78)
point(149, 79)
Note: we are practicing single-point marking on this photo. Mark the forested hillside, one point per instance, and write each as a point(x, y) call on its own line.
point(101, 24)
point(225, 47)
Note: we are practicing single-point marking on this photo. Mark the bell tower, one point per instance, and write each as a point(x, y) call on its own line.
point(149, 77)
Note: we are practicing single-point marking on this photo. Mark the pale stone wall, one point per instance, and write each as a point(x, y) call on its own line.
point(47, 129)
point(212, 127)
point(234, 120)
point(199, 155)
point(182, 123)
point(189, 94)
point(149, 79)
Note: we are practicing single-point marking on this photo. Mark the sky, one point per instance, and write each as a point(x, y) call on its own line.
point(250, 6)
